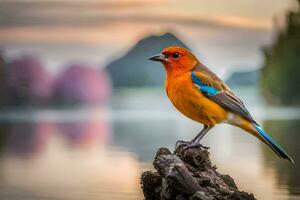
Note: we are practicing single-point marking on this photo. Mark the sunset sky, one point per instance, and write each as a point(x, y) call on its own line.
point(231, 30)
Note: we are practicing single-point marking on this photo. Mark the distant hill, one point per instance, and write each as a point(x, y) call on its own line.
point(27, 82)
point(247, 78)
point(281, 68)
point(24, 81)
point(135, 70)
point(81, 84)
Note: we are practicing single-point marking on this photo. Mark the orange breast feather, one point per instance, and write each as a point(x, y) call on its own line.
point(191, 102)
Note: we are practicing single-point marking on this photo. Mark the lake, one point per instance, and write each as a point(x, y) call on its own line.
point(100, 152)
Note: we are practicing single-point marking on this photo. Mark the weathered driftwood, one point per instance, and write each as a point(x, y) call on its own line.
point(188, 174)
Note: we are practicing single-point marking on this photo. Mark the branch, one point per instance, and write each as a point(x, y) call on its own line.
point(187, 174)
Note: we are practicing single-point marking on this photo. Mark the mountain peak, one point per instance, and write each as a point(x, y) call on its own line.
point(135, 70)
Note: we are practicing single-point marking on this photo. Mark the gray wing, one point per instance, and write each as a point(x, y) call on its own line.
point(203, 78)
point(231, 103)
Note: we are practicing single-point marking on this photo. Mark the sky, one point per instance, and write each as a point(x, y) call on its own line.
point(245, 13)
point(233, 31)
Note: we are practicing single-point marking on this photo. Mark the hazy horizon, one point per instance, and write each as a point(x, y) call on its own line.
point(225, 36)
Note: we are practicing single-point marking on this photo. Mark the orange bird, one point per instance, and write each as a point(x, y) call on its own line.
point(202, 96)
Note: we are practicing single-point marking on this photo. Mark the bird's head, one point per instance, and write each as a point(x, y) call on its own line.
point(176, 60)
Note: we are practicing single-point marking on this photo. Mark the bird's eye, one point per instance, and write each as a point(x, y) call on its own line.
point(175, 55)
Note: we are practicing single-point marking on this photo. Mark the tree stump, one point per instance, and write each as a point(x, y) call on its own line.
point(188, 174)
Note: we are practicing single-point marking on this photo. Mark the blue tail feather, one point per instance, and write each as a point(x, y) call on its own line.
point(273, 144)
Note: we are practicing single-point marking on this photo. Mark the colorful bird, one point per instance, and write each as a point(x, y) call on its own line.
point(202, 96)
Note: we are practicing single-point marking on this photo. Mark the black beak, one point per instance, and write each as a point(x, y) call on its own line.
point(159, 57)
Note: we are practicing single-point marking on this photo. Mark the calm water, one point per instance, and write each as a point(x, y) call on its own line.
point(99, 153)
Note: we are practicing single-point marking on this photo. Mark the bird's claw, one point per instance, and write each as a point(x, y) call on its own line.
point(195, 145)
point(190, 144)
point(181, 142)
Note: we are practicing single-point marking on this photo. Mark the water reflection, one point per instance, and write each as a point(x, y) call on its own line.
point(42, 160)
point(96, 156)
point(26, 139)
point(145, 137)
point(287, 132)
point(85, 133)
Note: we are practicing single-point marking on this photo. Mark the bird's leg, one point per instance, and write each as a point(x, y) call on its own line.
point(195, 142)
point(203, 132)
point(182, 142)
